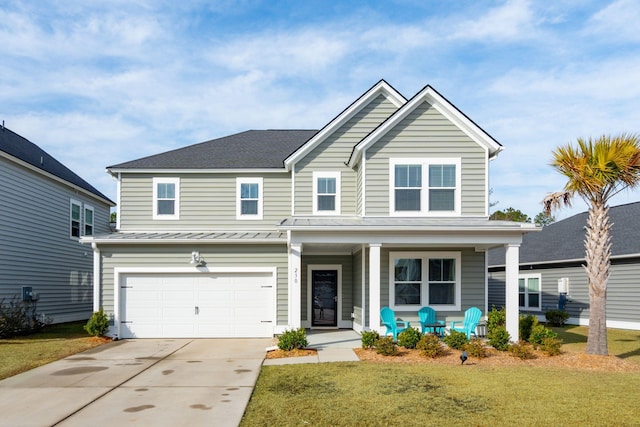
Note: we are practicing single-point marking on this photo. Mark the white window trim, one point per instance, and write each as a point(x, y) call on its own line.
point(424, 190)
point(239, 182)
point(93, 222)
point(424, 288)
point(526, 278)
point(80, 226)
point(176, 213)
point(320, 174)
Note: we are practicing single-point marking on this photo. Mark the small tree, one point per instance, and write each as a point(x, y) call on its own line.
point(543, 219)
point(510, 214)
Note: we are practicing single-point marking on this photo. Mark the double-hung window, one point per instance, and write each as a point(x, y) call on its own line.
point(88, 220)
point(166, 198)
point(326, 193)
point(424, 187)
point(529, 291)
point(424, 278)
point(249, 198)
point(76, 218)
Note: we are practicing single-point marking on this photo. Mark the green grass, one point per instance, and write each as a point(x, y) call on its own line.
point(54, 342)
point(371, 394)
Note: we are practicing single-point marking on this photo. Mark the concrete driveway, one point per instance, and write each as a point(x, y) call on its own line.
point(151, 382)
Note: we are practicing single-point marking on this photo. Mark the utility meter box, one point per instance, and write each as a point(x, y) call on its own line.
point(26, 293)
point(563, 285)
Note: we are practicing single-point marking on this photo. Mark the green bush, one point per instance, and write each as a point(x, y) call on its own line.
point(293, 339)
point(386, 346)
point(556, 317)
point(539, 333)
point(499, 338)
point(18, 317)
point(369, 339)
point(98, 324)
point(526, 323)
point(522, 350)
point(456, 340)
point(551, 346)
point(409, 338)
point(495, 319)
point(429, 346)
point(476, 348)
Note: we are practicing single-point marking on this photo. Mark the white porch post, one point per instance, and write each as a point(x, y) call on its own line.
point(512, 259)
point(374, 287)
point(97, 283)
point(295, 251)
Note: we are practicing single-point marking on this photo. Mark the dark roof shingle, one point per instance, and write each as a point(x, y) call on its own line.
point(252, 149)
point(25, 150)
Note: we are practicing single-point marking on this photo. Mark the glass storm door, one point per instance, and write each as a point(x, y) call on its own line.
point(324, 290)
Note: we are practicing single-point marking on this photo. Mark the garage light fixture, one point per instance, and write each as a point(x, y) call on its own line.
point(196, 259)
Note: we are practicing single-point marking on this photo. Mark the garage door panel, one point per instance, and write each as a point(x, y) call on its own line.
point(197, 305)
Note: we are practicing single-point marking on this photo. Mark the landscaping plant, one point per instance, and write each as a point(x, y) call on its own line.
point(456, 340)
point(499, 338)
point(476, 348)
point(539, 333)
point(98, 324)
point(18, 317)
point(293, 339)
point(369, 339)
point(556, 317)
point(430, 346)
point(522, 350)
point(525, 324)
point(386, 347)
point(409, 338)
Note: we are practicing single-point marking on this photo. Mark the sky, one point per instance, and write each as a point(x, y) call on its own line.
point(97, 83)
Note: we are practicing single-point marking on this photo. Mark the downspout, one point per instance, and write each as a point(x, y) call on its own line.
point(96, 277)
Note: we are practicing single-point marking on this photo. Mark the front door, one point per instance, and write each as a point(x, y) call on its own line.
point(324, 291)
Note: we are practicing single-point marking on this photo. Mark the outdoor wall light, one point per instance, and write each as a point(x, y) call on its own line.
point(196, 259)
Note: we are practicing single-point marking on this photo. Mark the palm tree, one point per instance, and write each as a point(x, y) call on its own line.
point(596, 171)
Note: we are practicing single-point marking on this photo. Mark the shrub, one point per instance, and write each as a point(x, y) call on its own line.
point(456, 340)
point(19, 317)
point(499, 338)
point(495, 319)
point(525, 324)
point(476, 348)
point(98, 324)
point(522, 350)
point(369, 339)
point(429, 346)
point(539, 333)
point(386, 346)
point(551, 346)
point(556, 317)
point(409, 338)
point(293, 339)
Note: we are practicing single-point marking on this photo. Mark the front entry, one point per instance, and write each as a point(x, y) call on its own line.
point(324, 291)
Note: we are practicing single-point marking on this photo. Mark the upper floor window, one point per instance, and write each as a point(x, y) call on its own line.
point(529, 291)
point(326, 193)
point(76, 218)
point(88, 220)
point(249, 198)
point(424, 187)
point(166, 198)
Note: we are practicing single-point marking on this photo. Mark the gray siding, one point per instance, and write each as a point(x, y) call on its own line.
point(623, 292)
point(346, 261)
point(207, 202)
point(332, 153)
point(37, 249)
point(177, 256)
point(426, 133)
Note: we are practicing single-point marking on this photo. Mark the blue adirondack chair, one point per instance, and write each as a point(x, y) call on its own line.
point(427, 316)
point(394, 326)
point(471, 319)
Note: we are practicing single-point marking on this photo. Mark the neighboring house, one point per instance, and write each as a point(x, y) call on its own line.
point(45, 208)
point(558, 253)
point(263, 231)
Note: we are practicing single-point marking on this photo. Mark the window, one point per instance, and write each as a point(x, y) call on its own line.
point(424, 278)
point(529, 291)
point(249, 198)
point(76, 218)
point(326, 193)
point(166, 198)
point(88, 220)
point(424, 187)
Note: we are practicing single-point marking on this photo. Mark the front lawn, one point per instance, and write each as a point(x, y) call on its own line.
point(52, 343)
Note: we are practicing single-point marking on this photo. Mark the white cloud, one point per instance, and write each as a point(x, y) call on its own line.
point(511, 21)
point(618, 21)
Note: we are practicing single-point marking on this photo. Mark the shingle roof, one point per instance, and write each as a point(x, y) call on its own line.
point(564, 240)
point(25, 150)
point(253, 149)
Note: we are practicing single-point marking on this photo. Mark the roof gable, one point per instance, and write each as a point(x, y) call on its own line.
point(20, 148)
point(440, 103)
point(380, 88)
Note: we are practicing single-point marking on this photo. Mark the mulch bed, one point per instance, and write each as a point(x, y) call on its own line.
point(278, 354)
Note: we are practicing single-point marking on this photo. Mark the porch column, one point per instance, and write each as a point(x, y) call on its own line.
point(512, 261)
point(97, 283)
point(295, 251)
point(374, 287)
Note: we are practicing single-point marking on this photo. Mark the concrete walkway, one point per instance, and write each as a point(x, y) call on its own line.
point(332, 346)
point(147, 382)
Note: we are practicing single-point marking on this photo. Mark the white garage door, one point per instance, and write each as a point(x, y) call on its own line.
point(197, 305)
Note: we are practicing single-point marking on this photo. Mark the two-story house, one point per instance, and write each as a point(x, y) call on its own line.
point(263, 231)
point(45, 209)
